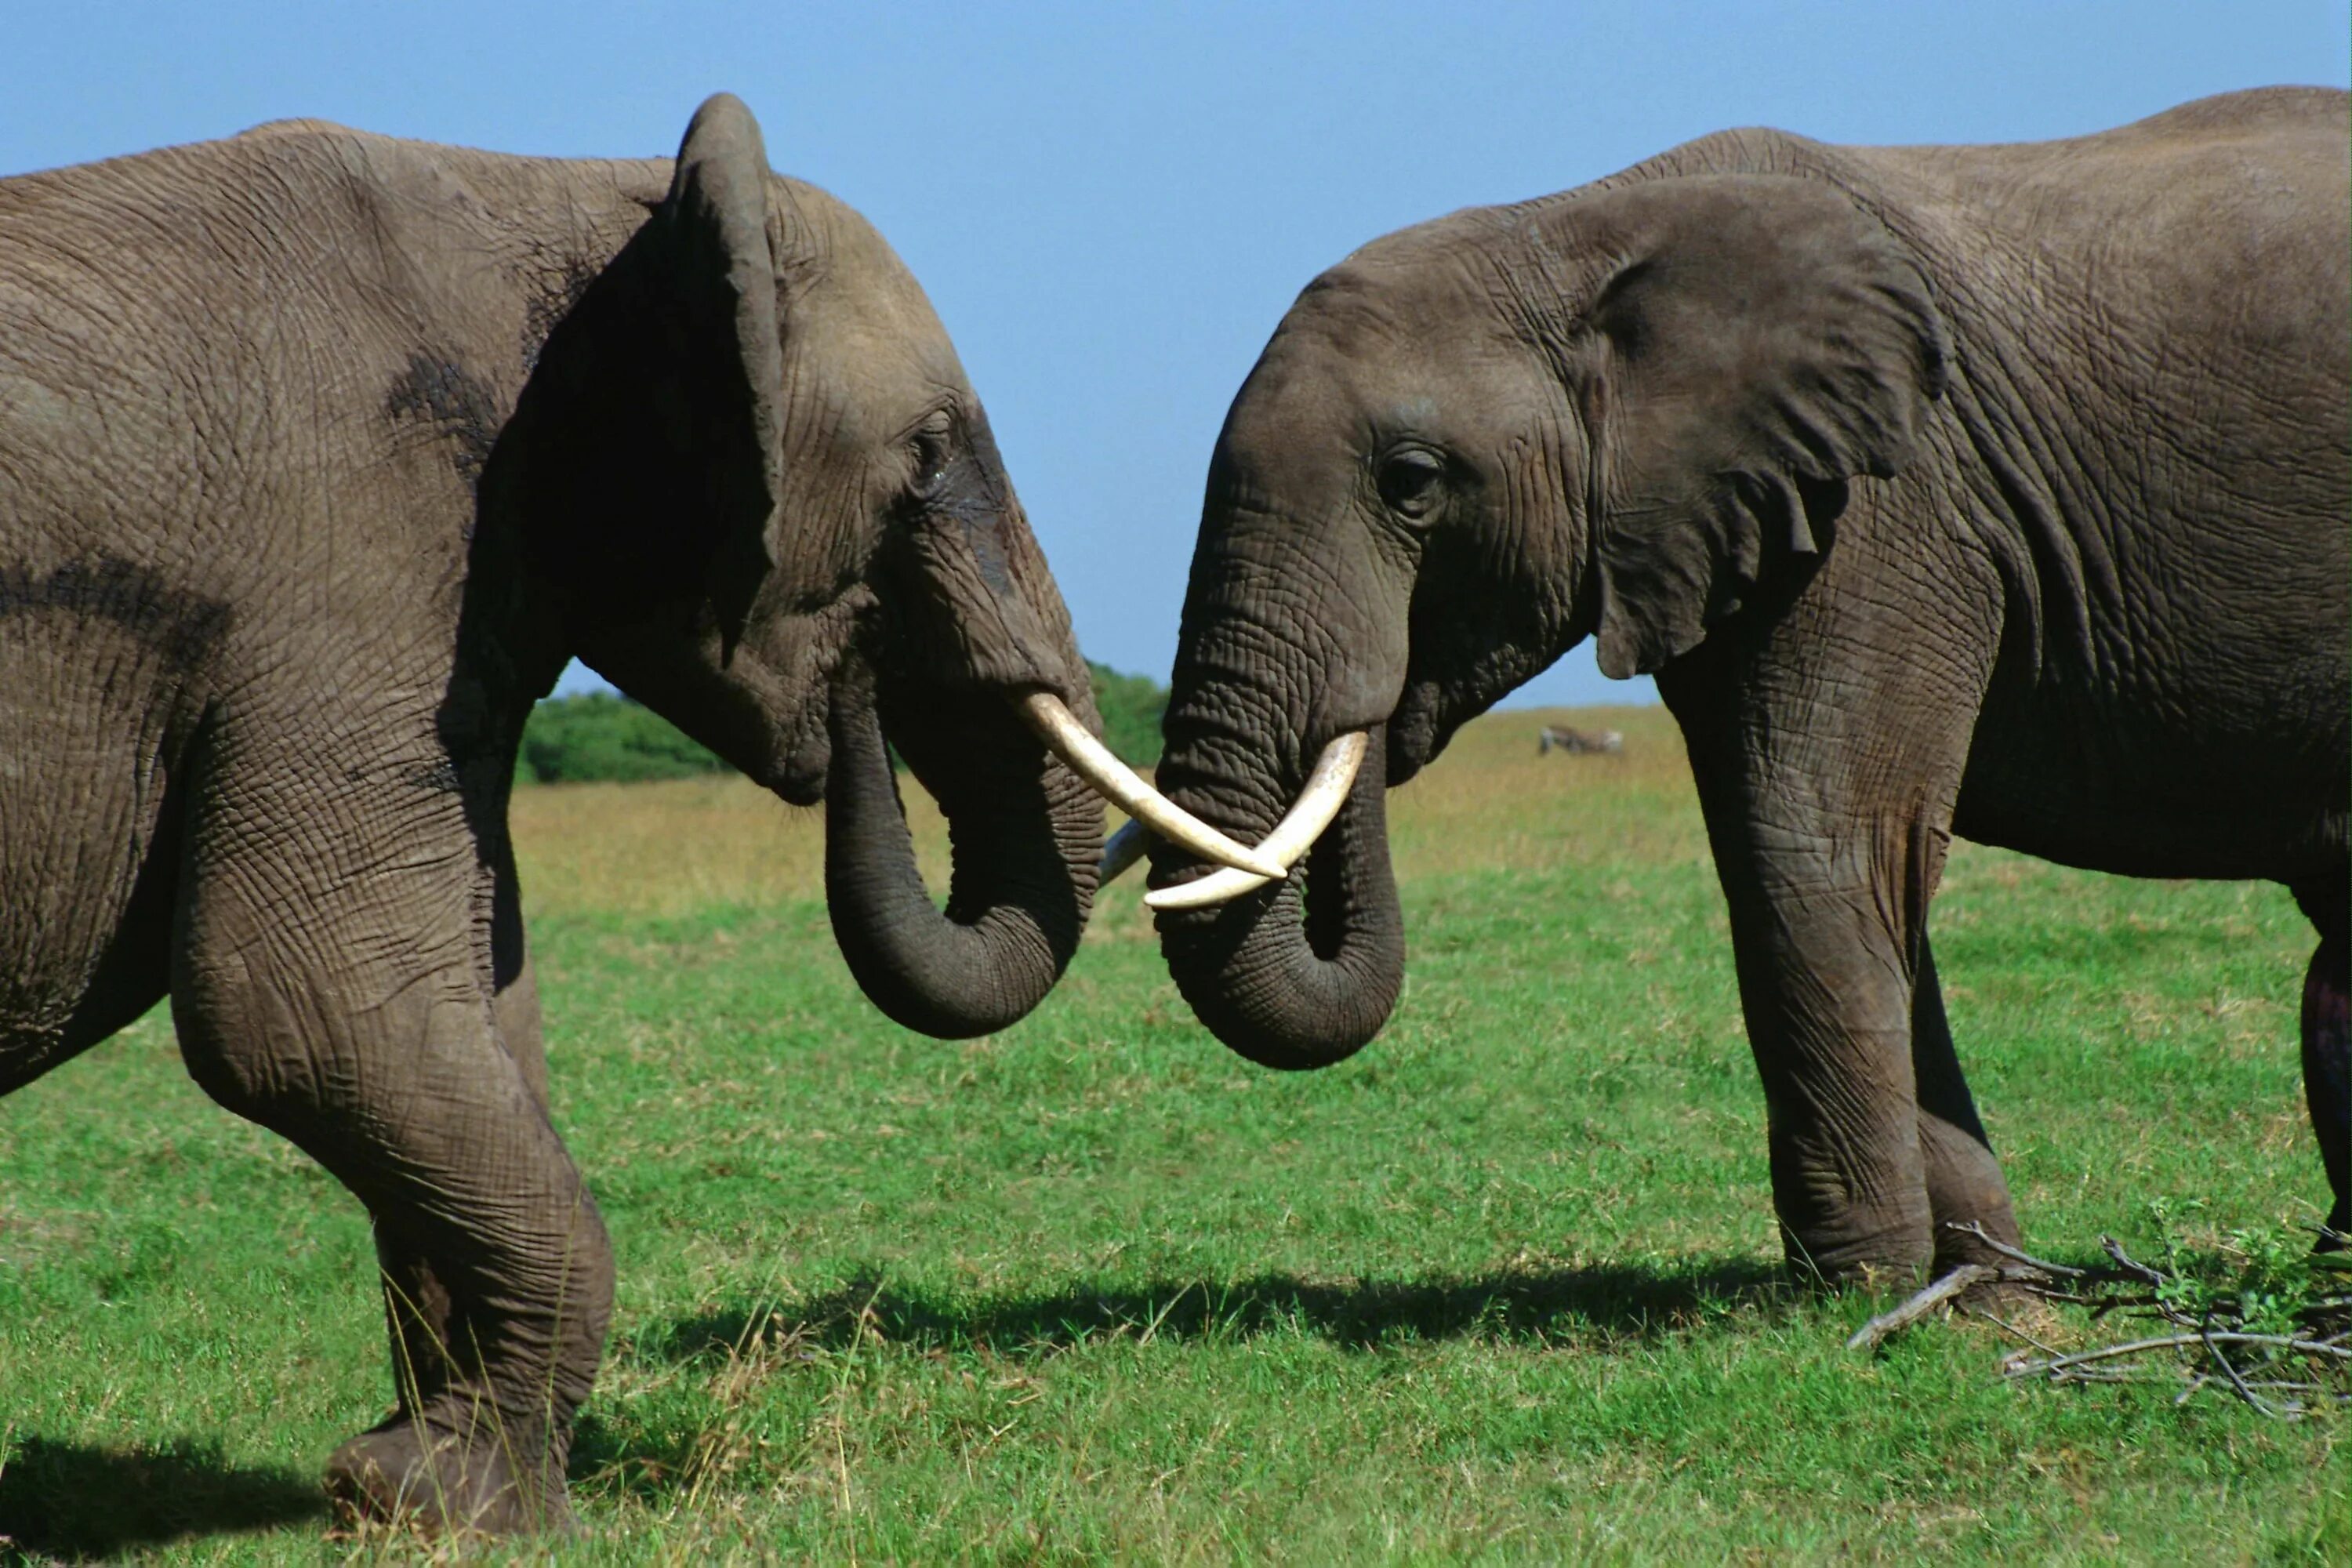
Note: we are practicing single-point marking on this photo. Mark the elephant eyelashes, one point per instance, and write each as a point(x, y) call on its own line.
point(1412, 484)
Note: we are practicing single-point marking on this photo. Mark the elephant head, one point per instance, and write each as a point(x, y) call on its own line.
point(751, 483)
point(1625, 412)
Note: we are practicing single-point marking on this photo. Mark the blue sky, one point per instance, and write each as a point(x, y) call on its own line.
point(1111, 205)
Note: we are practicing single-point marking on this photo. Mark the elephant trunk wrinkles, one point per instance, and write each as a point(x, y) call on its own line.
point(1025, 835)
point(1296, 977)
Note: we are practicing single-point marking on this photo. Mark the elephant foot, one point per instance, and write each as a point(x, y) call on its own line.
point(1971, 1194)
point(488, 1480)
point(1894, 1260)
point(1831, 1242)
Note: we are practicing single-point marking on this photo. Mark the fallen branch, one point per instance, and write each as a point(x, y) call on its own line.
point(2138, 1271)
point(2285, 1375)
point(2237, 1382)
point(2177, 1342)
point(1885, 1325)
point(1973, 1228)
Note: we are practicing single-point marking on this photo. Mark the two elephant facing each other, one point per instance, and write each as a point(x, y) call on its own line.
point(1988, 490)
point(321, 454)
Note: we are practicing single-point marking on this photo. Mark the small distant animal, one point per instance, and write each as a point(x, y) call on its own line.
point(1559, 737)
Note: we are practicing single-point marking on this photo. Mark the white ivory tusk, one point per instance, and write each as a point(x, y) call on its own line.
point(1092, 761)
point(1293, 836)
point(1123, 849)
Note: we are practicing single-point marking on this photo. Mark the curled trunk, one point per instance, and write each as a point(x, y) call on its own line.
point(1026, 833)
point(1300, 973)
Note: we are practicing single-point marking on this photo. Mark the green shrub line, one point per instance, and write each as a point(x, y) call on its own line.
point(603, 737)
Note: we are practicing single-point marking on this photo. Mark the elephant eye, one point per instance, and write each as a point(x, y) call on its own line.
point(930, 443)
point(1412, 482)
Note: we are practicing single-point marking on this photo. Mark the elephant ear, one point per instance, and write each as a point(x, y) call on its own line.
point(1757, 341)
point(720, 276)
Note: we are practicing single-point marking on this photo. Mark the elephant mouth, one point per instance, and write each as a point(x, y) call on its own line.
point(799, 777)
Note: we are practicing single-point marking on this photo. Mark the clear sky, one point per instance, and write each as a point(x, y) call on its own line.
point(1112, 205)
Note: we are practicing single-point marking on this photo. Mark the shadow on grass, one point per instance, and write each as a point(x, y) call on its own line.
point(72, 1502)
point(625, 1452)
point(1579, 1303)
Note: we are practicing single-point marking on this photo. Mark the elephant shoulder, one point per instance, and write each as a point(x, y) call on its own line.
point(1746, 150)
point(297, 126)
point(2254, 110)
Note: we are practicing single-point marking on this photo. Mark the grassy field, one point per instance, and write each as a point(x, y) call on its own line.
point(1502, 1288)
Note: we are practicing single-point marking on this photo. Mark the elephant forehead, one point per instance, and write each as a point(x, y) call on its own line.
point(855, 320)
point(871, 352)
point(1353, 377)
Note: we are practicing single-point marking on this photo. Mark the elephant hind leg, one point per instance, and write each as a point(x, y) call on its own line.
point(2327, 1041)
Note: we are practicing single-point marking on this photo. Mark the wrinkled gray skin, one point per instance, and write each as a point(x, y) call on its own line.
point(320, 454)
point(1990, 490)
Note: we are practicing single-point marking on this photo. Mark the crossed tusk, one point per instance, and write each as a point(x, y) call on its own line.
point(1326, 792)
point(1318, 802)
point(1092, 761)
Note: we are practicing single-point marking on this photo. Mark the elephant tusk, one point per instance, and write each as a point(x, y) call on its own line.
point(1326, 792)
point(1116, 781)
point(1123, 849)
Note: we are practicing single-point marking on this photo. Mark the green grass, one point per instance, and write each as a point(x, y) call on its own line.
point(1503, 1286)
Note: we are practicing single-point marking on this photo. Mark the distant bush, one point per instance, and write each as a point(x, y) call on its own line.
point(601, 736)
point(1131, 706)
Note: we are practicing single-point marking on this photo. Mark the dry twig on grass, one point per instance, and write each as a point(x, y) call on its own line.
point(2284, 1357)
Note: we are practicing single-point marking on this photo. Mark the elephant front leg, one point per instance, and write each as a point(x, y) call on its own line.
point(336, 996)
point(1828, 1003)
point(421, 1313)
point(1828, 847)
point(1965, 1184)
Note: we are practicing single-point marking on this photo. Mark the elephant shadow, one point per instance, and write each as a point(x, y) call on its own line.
point(76, 1503)
point(1565, 1307)
point(1606, 1303)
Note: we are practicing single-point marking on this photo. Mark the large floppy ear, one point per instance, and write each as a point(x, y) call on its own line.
point(1755, 342)
point(643, 455)
point(721, 269)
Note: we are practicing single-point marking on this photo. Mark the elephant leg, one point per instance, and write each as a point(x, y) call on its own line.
point(1964, 1181)
point(1828, 1006)
point(417, 1302)
point(1824, 959)
point(1828, 750)
point(2327, 1044)
point(331, 986)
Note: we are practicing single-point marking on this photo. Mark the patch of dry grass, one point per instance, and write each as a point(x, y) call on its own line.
point(671, 848)
point(1491, 801)
point(677, 846)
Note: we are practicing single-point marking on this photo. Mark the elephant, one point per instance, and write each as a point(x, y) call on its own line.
point(1997, 491)
point(321, 452)
point(1578, 742)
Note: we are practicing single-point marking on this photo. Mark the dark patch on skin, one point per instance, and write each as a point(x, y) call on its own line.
point(970, 490)
point(453, 403)
point(441, 777)
point(181, 626)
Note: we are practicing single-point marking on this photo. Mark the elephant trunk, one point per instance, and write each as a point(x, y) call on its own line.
point(1025, 835)
point(1292, 976)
